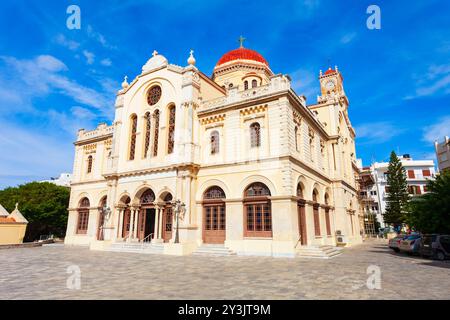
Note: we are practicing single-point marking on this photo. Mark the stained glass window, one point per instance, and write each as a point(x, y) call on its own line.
point(156, 135)
point(215, 142)
point(154, 95)
point(133, 137)
point(171, 137)
point(147, 133)
point(89, 166)
point(255, 135)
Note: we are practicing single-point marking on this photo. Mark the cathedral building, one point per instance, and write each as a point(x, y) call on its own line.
point(236, 159)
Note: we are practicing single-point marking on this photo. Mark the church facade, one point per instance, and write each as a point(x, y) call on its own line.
point(254, 167)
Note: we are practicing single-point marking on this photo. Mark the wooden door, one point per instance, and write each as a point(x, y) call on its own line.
point(167, 223)
point(214, 223)
point(302, 224)
point(126, 223)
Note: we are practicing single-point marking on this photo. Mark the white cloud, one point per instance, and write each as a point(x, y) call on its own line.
point(347, 38)
point(435, 81)
point(90, 57)
point(377, 132)
point(437, 131)
point(99, 38)
point(70, 44)
point(44, 75)
point(106, 62)
point(305, 83)
point(32, 153)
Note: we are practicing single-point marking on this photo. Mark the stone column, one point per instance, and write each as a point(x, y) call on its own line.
point(156, 229)
point(130, 232)
point(161, 219)
point(136, 218)
point(119, 223)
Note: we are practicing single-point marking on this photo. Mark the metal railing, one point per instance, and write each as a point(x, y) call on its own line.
point(146, 239)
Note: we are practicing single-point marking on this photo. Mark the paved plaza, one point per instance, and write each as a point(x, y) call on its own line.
point(42, 273)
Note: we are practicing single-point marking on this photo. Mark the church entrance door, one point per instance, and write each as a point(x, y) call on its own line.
point(214, 223)
point(146, 223)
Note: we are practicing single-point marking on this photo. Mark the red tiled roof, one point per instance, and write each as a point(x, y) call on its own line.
point(6, 220)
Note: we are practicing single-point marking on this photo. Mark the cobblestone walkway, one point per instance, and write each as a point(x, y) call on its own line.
point(41, 273)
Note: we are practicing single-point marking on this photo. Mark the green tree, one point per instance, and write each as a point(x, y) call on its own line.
point(430, 213)
point(397, 196)
point(44, 205)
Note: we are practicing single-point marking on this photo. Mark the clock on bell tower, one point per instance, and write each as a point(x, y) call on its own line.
point(331, 82)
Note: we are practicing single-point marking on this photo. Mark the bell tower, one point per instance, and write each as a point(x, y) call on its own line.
point(331, 82)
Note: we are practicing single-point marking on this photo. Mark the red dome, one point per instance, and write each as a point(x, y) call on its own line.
point(241, 53)
point(330, 71)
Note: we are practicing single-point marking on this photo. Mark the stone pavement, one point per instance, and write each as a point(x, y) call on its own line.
point(41, 273)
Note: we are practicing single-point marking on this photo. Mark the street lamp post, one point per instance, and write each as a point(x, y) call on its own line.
point(179, 207)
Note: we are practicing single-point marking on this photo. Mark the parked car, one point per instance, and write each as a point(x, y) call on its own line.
point(395, 242)
point(411, 244)
point(435, 246)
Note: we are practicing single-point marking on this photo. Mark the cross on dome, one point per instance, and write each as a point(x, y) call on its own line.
point(241, 41)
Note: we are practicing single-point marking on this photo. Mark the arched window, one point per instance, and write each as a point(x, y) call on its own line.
point(133, 137)
point(214, 193)
point(245, 85)
point(255, 135)
point(83, 216)
point(156, 134)
point(171, 132)
point(215, 145)
point(89, 164)
point(148, 197)
point(258, 211)
point(315, 197)
point(214, 222)
point(148, 120)
point(254, 83)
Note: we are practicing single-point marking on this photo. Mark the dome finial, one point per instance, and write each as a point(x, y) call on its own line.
point(241, 41)
point(155, 53)
point(191, 59)
point(125, 82)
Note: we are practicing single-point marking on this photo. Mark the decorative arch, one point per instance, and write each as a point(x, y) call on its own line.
point(214, 193)
point(210, 183)
point(257, 178)
point(147, 197)
point(163, 193)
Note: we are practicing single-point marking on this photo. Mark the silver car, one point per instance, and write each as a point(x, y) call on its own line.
point(411, 244)
point(395, 242)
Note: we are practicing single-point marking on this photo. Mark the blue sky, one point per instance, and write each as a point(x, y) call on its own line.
point(54, 81)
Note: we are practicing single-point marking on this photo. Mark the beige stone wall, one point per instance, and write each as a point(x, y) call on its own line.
point(317, 156)
point(12, 233)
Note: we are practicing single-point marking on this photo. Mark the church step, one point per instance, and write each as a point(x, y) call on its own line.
point(322, 252)
point(213, 250)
